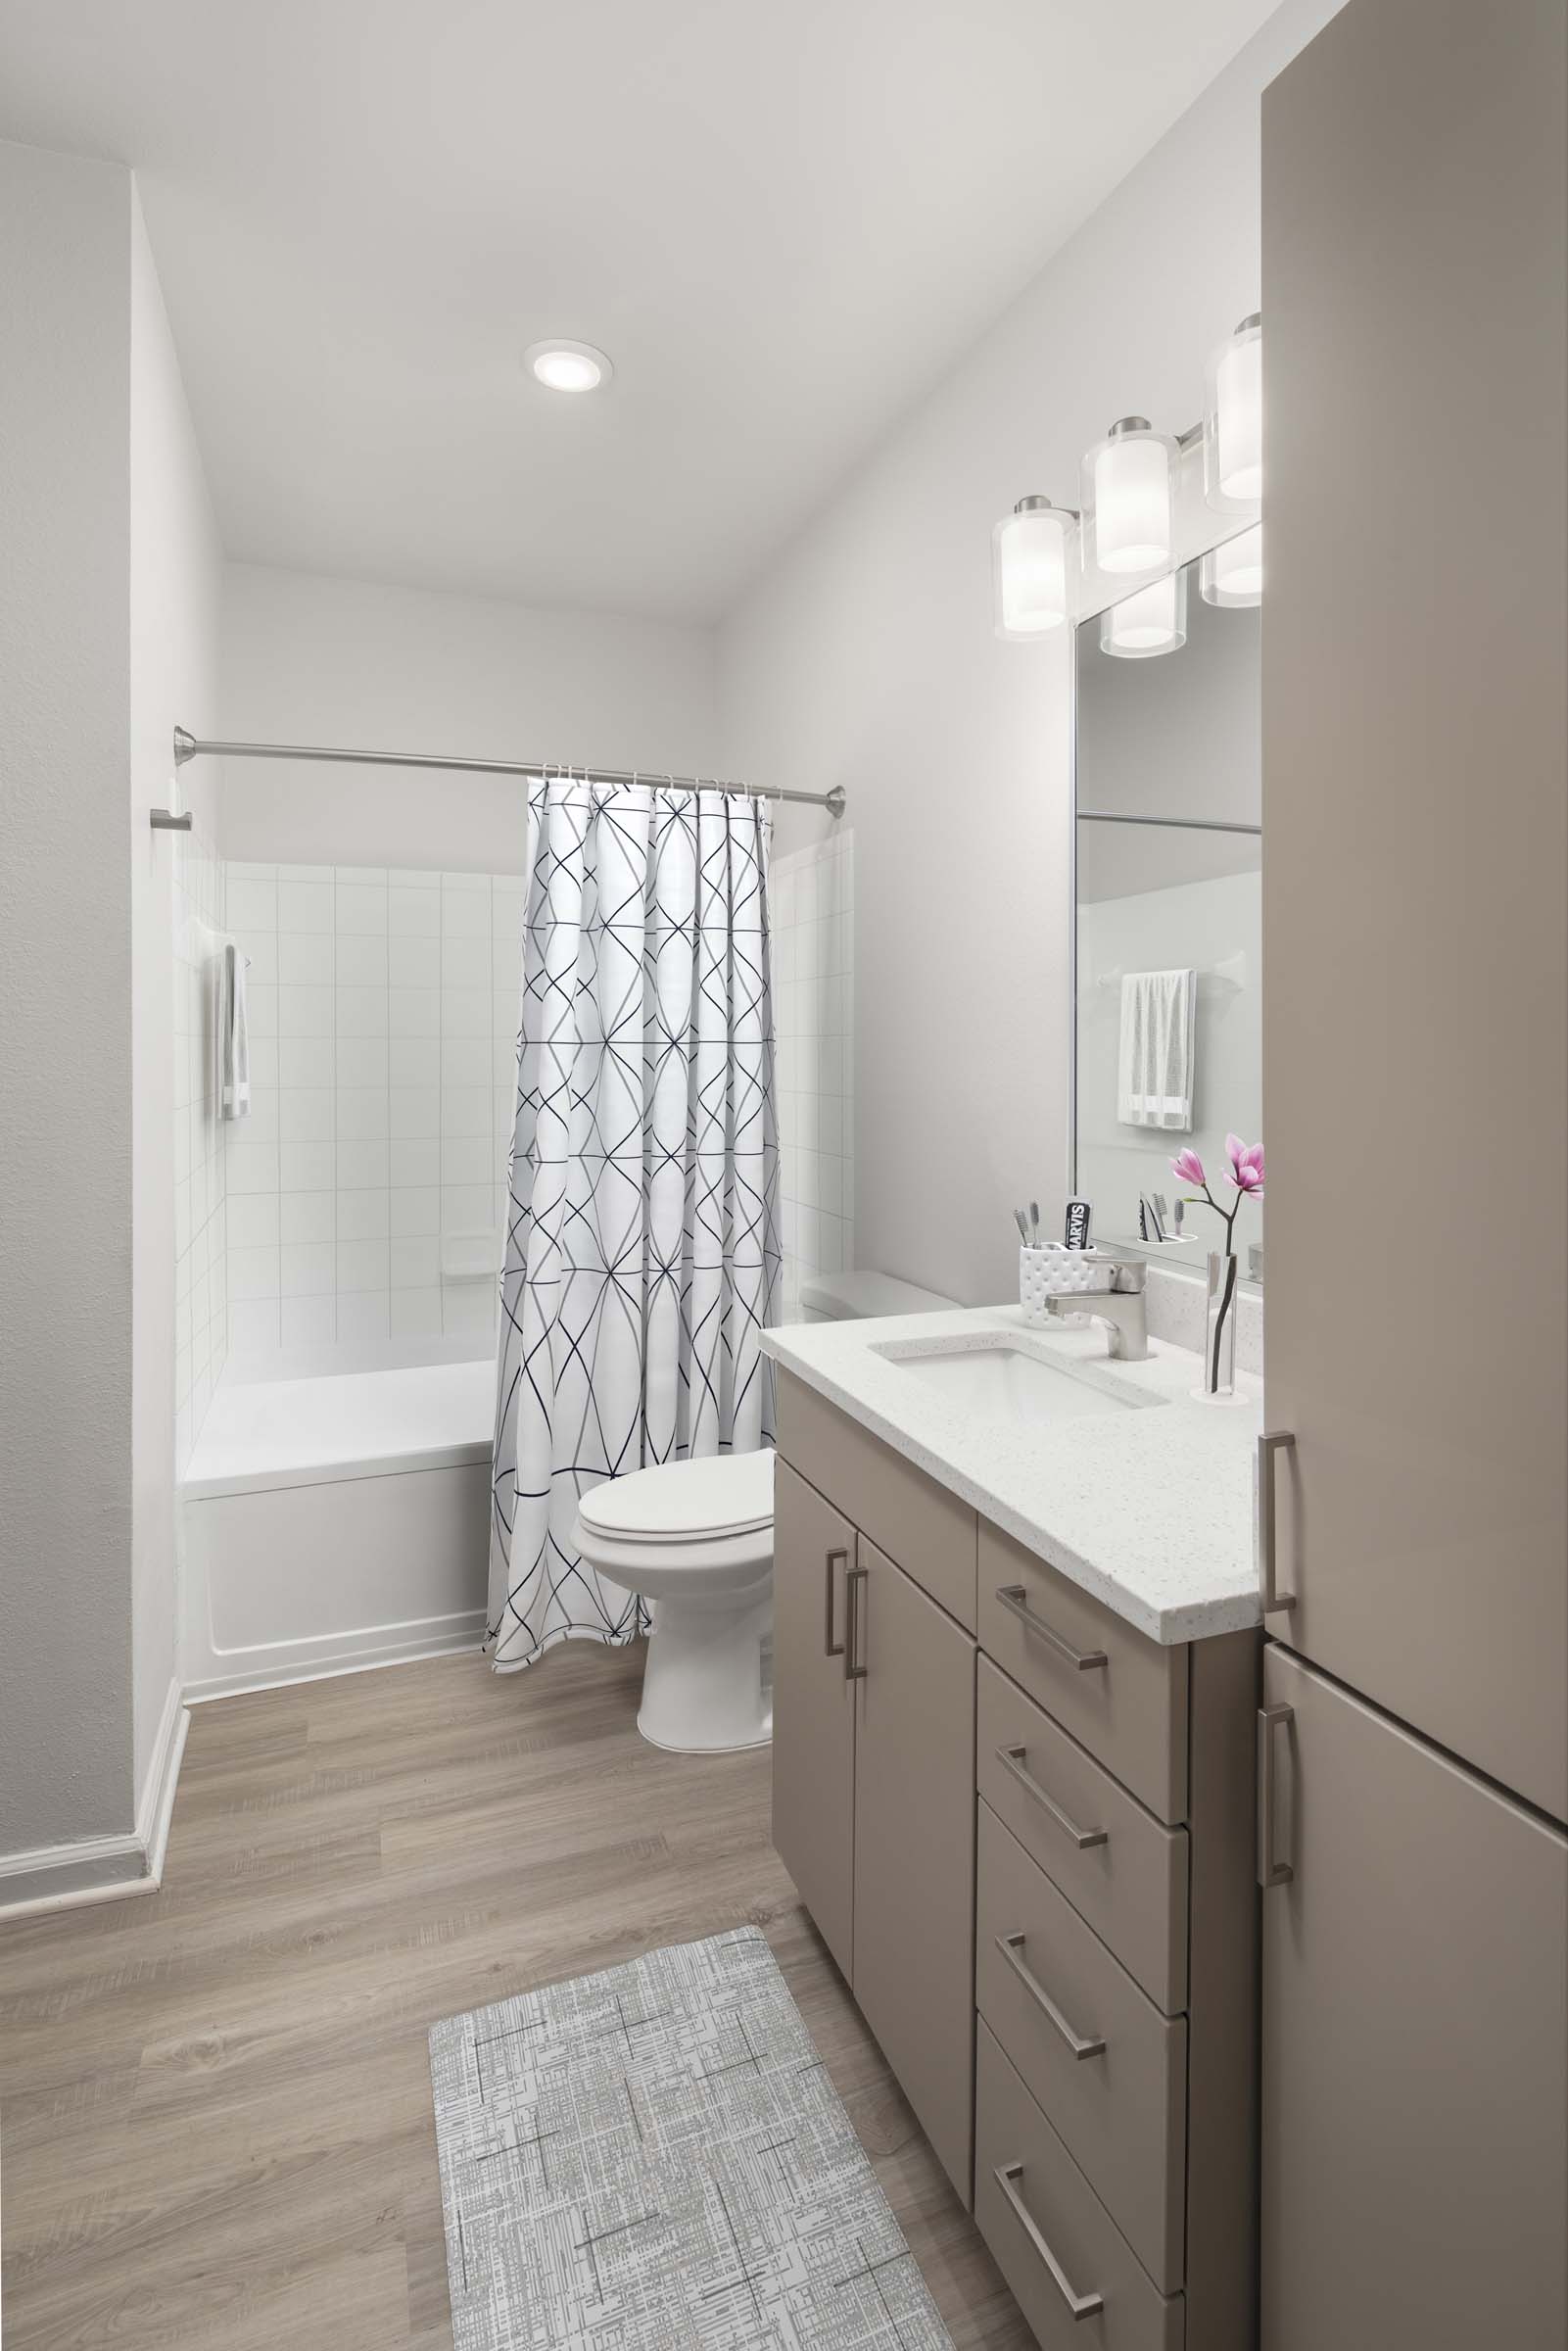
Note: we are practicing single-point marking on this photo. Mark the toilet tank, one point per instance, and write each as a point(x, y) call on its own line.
point(856, 1297)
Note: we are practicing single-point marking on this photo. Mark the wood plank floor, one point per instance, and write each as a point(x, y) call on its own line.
point(216, 2124)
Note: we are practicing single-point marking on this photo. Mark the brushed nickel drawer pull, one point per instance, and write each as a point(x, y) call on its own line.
point(1269, 1871)
point(1011, 1760)
point(830, 1647)
point(1081, 2306)
point(1010, 1947)
point(1270, 1446)
point(854, 1578)
point(1011, 1598)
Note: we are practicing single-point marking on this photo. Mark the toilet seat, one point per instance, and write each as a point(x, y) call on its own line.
point(728, 1495)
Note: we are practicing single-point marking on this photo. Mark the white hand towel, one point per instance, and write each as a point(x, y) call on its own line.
point(1154, 1065)
point(234, 1032)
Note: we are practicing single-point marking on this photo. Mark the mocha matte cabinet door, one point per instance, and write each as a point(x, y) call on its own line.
point(915, 1848)
point(1415, 881)
point(814, 1708)
point(1415, 1976)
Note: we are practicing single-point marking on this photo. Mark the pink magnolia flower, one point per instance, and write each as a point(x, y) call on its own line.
point(1246, 1163)
point(1189, 1166)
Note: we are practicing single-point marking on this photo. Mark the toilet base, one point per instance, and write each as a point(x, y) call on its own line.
point(702, 1688)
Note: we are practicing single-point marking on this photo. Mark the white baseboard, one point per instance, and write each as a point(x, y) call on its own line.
point(156, 1806)
point(105, 1869)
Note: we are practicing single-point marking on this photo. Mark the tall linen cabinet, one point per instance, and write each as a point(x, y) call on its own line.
point(1414, 1743)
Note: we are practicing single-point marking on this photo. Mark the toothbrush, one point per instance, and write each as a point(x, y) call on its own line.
point(1034, 1220)
point(1023, 1230)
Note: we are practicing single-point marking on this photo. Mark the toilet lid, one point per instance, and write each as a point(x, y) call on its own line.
point(729, 1494)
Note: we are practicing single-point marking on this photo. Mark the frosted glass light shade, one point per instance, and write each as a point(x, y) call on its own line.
point(1152, 620)
point(1031, 569)
point(1233, 419)
point(1127, 497)
point(1233, 574)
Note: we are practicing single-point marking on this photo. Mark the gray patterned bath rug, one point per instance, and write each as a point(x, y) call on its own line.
point(653, 2158)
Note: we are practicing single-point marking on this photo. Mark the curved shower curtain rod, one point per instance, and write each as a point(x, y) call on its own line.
point(189, 746)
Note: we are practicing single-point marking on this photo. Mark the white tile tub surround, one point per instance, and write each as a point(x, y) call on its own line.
point(384, 1026)
point(811, 900)
point(201, 1235)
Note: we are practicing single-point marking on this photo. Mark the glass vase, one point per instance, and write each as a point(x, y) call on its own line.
point(1219, 1327)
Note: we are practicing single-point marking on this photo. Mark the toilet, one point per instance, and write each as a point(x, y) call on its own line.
point(695, 1538)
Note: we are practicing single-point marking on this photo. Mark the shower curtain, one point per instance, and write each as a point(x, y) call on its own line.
point(642, 1252)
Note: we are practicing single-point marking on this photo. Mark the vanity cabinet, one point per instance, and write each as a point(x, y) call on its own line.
point(1415, 1946)
point(1031, 1855)
point(1415, 998)
point(1415, 916)
point(814, 1708)
point(874, 1747)
point(915, 1847)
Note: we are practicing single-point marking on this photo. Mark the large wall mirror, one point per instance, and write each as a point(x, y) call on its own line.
point(1168, 913)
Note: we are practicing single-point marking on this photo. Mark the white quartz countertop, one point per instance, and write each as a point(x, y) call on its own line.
point(1149, 1511)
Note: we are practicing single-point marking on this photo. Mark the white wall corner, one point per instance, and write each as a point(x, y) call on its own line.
point(103, 1869)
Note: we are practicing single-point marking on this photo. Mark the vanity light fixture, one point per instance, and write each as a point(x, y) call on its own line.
point(562, 366)
point(1031, 568)
point(1232, 574)
point(1127, 497)
point(1233, 419)
point(1152, 620)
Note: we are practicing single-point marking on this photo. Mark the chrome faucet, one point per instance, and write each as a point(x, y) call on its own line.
point(1121, 1309)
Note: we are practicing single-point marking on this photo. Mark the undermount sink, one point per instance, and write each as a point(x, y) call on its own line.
point(1009, 1377)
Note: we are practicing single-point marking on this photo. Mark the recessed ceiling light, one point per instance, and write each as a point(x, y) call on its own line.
point(562, 366)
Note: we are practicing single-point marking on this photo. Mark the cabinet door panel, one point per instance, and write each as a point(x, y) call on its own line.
point(813, 1709)
point(914, 1849)
point(1413, 2169)
point(1415, 920)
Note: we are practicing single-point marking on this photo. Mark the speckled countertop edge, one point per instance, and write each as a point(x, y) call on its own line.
point(1150, 1511)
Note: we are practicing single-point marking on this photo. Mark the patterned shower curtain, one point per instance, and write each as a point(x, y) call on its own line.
point(641, 1253)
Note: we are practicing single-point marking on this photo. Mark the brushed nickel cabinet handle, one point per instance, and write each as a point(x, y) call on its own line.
point(1011, 1760)
point(1010, 1947)
point(1270, 1446)
point(1011, 1598)
point(830, 1647)
point(854, 1578)
point(1081, 2306)
point(1269, 1871)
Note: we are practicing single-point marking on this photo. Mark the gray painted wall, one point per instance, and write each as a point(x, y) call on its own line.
point(864, 656)
point(65, 1001)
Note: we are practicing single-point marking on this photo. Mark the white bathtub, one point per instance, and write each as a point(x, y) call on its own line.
point(336, 1522)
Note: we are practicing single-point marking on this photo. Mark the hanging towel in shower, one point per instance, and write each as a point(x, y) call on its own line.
point(235, 1036)
point(1154, 1065)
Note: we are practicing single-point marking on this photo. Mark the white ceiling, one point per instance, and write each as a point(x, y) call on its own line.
point(783, 221)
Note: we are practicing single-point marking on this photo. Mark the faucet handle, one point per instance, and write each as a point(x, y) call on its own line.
point(1128, 1275)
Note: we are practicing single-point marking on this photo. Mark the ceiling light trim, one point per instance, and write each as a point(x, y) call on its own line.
point(577, 366)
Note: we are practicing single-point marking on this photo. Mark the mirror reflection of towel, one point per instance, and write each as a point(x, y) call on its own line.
point(1154, 1065)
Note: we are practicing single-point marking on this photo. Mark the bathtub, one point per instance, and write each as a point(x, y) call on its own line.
point(334, 1523)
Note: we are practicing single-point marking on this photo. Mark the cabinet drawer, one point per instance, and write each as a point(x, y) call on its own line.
point(1131, 1883)
point(1128, 1707)
point(1109, 2070)
point(907, 1514)
point(1062, 2242)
